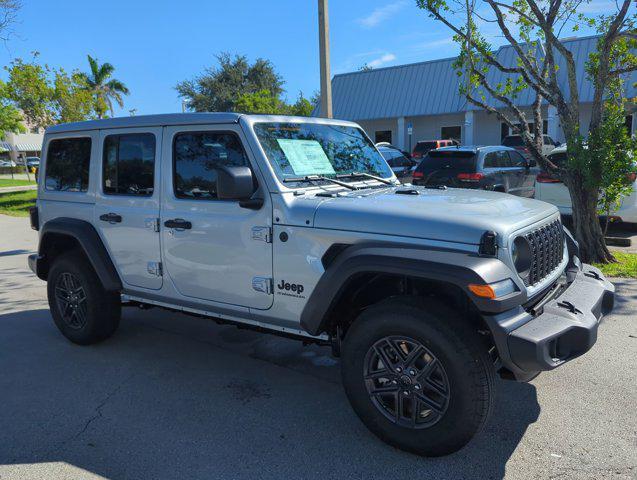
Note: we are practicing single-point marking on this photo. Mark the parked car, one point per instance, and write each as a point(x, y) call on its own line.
point(515, 141)
point(551, 190)
point(7, 163)
point(400, 162)
point(424, 146)
point(273, 223)
point(33, 162)
point(498, 168)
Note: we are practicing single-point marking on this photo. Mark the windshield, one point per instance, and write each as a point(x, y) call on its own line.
point(305, 149)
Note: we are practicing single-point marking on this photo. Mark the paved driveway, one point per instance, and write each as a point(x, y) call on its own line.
point(171, 396)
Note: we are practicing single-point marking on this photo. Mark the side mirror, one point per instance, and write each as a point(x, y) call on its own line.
point(234, 183)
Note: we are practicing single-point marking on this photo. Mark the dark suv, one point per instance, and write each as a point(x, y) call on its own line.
point(496, 168)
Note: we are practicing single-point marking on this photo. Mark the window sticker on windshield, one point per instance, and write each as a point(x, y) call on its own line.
point(306, 157)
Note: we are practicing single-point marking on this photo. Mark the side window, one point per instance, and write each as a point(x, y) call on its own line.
point(517, 159)
point(128, 164)
point(67, 164)
point(503, 159)
point(491, 160)
point(196, 156)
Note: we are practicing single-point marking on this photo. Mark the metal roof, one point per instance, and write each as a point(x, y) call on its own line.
point(431, 88)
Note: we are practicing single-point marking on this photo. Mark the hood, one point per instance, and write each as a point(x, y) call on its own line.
point(451, 215)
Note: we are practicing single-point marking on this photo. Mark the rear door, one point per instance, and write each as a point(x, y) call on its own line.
point(526, 174)
point(127, 203)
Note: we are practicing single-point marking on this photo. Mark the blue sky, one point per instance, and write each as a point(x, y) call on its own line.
point(155, 44)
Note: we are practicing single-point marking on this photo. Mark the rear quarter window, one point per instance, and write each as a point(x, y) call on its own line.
point(67, 164)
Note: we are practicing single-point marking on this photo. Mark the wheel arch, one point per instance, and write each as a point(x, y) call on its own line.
point(360, 275)
point(64, 234)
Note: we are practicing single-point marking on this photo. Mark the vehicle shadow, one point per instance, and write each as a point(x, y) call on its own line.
point(173, 396)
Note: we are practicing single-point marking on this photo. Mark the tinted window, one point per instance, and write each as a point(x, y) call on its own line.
point(67, 164)
point(451, 133)
point(513, 141)
point(517, 159)
point(448, 161)
point(491, 160)
point(196, 157)
point(129, 164)
point(423, 147)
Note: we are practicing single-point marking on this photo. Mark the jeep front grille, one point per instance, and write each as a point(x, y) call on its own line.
point(547, 250)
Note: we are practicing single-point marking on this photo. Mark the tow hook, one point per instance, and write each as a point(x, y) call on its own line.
point(569, 306)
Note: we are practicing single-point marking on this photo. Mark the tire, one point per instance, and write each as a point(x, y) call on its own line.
point(453, 373)
point(84, 312)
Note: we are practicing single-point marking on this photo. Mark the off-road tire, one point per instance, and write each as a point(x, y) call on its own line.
point(102, 309)
point(460, 350)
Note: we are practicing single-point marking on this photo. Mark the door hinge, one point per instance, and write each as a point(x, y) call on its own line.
point(263, 234)
point(263, 284)
point(155, 268)
point(152, 223)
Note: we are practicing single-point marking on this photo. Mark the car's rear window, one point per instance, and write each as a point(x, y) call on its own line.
point(558, 158)
point(452, 161)
point(425, 146)
point(67, 164)
point(512, 141)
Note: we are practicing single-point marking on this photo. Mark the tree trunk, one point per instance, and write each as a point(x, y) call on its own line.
point(586, 226)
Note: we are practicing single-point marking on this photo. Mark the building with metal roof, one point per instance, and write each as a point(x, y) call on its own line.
point(424, 98)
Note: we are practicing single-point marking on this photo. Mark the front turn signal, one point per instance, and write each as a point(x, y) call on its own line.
point(493, 290)
point(483, 291)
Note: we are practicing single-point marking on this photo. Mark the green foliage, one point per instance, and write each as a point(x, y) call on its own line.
point(29, 89)
point(235, 85)
point(104, 89)
point(258, 102)
point(45, 96)
point(219, 88)
point(73, 99)
point(10, 117)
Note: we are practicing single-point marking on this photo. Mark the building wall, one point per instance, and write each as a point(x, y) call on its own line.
point(14, 139)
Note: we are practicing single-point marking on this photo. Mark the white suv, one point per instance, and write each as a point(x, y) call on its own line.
point(550, 189)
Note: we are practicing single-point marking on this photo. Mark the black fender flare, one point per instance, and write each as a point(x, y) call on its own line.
point(89, 241)
point(451, 266)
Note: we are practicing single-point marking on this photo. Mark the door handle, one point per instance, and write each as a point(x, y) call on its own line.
point(178, 223)
point(111, 218)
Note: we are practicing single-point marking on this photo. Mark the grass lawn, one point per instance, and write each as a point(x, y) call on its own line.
point(11, 182)
point(626, 265)
point(17, 204)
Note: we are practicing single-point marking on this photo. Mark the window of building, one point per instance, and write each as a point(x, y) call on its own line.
point(505, 131)
point(451, 133)
point(382, 136)
point(128, 165)
point(67, 164)
point(196, 157)
point(34, 129)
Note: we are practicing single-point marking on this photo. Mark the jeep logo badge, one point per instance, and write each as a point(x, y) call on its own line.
point(290, 289)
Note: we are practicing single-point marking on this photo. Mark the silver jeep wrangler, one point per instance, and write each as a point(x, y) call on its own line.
point(298, 227)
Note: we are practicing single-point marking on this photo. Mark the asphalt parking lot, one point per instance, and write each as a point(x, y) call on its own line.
point(171, 396)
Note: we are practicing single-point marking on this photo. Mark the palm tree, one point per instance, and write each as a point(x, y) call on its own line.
point(104, 88)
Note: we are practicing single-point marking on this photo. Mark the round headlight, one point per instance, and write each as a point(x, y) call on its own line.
point(521, 255)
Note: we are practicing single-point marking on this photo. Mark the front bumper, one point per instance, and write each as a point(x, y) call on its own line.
point(563, 328)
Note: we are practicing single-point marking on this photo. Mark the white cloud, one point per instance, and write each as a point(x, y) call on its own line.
point(383, 59)
point(381, 13)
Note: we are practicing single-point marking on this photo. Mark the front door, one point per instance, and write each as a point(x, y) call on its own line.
point(213, 249)
point(127, 203)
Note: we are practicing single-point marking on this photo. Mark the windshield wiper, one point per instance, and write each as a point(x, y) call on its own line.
point(366, 175)
point(314, 178)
